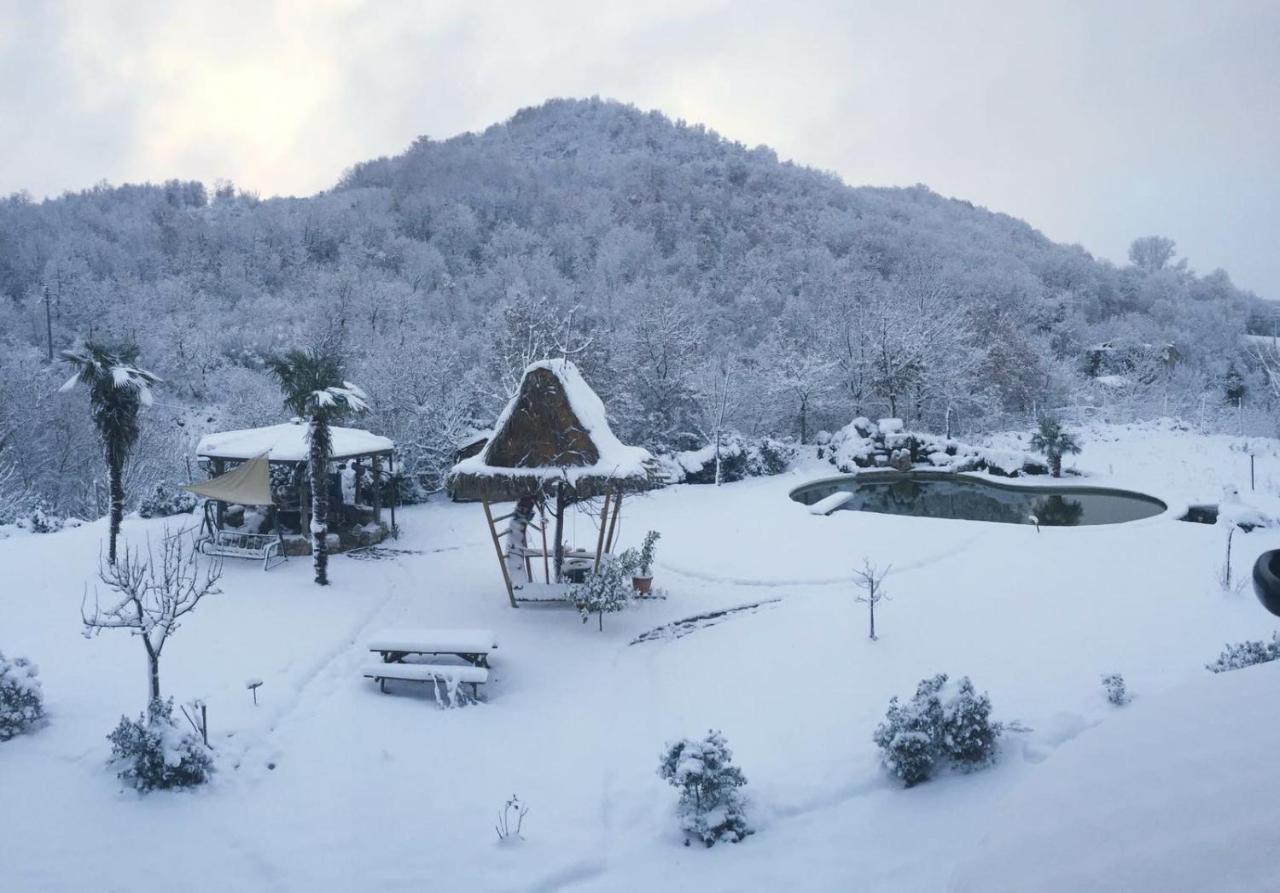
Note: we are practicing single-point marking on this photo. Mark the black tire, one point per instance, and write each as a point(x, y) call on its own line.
point(1266, 580)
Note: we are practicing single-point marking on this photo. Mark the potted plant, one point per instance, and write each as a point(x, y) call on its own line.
point(642, 575)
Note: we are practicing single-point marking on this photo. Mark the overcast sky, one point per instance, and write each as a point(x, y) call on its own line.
point(1095, 122)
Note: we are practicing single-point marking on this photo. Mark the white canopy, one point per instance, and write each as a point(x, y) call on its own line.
point(288, 443)
point(247, 484)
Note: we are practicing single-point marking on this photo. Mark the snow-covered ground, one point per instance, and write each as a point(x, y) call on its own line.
point(330, 785)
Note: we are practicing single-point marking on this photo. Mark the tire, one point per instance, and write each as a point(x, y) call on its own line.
point(1266, 580)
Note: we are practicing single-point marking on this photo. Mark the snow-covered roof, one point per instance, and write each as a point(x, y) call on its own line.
point(288, 443)
point(554, 429)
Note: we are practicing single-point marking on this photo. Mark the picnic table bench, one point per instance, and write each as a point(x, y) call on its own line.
point(473, 646)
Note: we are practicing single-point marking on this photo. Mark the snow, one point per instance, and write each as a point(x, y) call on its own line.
point(616, 458)
point(287, 442)
point(329, 784)
point(829, 504)
point(425, 672)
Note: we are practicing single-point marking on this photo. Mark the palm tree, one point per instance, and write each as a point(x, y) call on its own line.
point(1051, 440)
point(117, 390)
point(314, 389)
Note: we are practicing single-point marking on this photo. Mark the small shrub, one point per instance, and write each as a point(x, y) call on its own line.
point(43, 520)
point(21, 698)
point(710, 808)
point(1117, 692)
point(152, 753)
point(644, 562)
point(511, 820)
point(1246, 654)
point(943, 722)
point(163, 501)
point(769, 456)
point(605, 591)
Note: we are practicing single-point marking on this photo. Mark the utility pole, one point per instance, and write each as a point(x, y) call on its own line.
point(48, 323)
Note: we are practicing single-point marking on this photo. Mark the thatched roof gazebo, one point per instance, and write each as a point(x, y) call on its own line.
point(551, 447)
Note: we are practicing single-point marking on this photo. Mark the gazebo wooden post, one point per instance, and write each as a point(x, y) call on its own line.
point(376, 463)
point(559, 537)
point(613, 523)
point(542, 514)
point(220, 508)
point(604, 523)
point(497, 548)
point(391, 474)
point(355, 490)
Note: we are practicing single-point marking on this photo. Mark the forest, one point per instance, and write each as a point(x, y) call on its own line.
point(702, 287)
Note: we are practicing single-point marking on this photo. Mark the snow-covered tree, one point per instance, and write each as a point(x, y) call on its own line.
point(604, 591)
point(944, 722)
point(870, 583)
point(150, 596)
point(1053, 442)
point(118, 389)
point(314, 389)
point(711, 808)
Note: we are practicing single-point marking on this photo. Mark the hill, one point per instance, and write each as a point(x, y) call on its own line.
point(668, 260)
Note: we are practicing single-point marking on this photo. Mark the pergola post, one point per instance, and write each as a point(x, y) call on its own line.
point(559, 537)
point(220, 509)
point(604, 523)
point(613, 523)
point(376, 461)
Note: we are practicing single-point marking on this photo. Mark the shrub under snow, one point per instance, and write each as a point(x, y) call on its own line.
point(1246, 654)
point(1117, 691)
point(711, 808)
point(866, 444)
point(740, 457)
point(606, 590)
point(164, 501)
point(944, 722)
point(21, 699)
point(42, 520)
point(153, 752)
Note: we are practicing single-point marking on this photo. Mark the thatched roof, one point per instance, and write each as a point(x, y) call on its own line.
point(554, 430)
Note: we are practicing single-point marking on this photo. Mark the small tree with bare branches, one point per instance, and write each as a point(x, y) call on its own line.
point(150, 597)
point(870, 582)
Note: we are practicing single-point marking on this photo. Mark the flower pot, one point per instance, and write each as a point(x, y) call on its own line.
point(642, 584)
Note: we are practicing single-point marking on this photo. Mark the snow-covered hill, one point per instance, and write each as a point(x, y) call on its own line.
point(330, 785)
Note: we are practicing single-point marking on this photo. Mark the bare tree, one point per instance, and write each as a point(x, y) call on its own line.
point(150, 597)
point(870, 581)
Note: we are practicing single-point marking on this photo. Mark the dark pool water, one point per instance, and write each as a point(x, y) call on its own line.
point(948, 496)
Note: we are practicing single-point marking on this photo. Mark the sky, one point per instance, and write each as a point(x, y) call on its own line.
point(1096, 122)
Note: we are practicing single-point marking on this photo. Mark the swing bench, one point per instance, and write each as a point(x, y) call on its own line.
point(248, 484)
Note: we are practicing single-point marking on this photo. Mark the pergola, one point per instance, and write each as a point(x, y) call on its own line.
point(266, 467)
point(551, 448)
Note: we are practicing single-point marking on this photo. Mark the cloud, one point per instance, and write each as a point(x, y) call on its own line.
point(1096, 122)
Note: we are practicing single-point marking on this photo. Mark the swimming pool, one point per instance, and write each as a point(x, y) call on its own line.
point(942, 495)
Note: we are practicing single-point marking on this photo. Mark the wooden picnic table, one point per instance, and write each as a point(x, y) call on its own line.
point(471, 645)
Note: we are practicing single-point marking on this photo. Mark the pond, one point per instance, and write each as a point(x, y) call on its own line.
point(941, 495)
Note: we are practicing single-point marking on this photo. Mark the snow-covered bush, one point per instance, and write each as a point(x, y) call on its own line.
point(152, 752)
point(42, 520)
point(740, 457)
point(711, 807)
point(21, 699)
point(605, 591)
point(944, 721)
point(644, 561)
point(1246, 654)
point(884, 444)
point(164, 501)
point(1117, 692)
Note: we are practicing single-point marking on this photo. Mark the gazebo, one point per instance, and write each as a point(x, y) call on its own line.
point(551, 448)
point(266, 468)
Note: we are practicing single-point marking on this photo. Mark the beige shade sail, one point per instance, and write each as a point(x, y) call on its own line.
point(247, 484)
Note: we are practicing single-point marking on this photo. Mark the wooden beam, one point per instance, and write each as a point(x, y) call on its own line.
point(497, 548)
point(604, 523)
point(613, 524)
point(546, 567)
